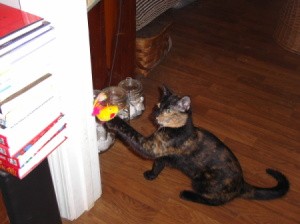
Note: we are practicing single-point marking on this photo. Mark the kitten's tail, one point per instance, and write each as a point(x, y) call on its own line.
point(282, 187)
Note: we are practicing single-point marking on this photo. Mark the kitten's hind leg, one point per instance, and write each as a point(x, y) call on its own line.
point(157, 167)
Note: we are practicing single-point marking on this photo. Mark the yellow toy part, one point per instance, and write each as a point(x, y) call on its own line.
point(103, 110)
point(107, 113)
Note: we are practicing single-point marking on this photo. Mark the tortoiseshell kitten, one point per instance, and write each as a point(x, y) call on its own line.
point(215, 172)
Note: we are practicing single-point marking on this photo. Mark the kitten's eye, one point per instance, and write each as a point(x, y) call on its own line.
point(168, 110)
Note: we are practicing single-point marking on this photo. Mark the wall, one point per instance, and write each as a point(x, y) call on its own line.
point(12, 3)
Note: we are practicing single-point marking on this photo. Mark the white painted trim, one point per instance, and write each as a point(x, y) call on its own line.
point(12, 3)
point(75, 165)
point(91, 4)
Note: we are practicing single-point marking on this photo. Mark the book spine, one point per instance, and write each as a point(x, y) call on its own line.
point(3, 145)
point(3, 158)
point(22, 159)
point(21, 162)
point(36, 143)
point(37, 159)
point(34, 161)
point(9, 169)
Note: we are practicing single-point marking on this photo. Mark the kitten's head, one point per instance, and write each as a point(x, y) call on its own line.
point(172, 111)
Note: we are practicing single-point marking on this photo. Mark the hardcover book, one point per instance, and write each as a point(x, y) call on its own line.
point(14, 138)
point(49, 147)
point(40, 45)
point(36, 144)
point(24, 38)
point(15, 22)
point(18, 75)
point(19, 105)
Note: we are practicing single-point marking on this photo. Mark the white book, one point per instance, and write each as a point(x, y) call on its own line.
point(41, 44)
point(15, 22)
point(21, 133)
point(21, 75)
point(21, 32)
point(41, 155)
point(21, 97)
point(23, 39)
point(17, 107)
point(18, 73)
point(21, 159)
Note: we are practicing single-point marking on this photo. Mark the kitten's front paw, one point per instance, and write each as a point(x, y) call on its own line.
point(110, 126)
point(113, 124)
point(187, 195)
point(149, 175)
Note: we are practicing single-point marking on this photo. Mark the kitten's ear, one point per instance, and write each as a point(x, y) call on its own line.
point(184, 104)
point(166, 91)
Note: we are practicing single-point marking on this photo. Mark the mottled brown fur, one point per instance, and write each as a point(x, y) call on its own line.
point(215, 172)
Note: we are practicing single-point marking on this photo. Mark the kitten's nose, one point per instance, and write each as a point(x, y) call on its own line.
point(158, 120)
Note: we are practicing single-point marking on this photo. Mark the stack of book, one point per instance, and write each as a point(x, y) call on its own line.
point(17, 27)
point(31, 122)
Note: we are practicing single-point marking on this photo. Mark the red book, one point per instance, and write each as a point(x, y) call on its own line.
point(15, 22)
point(48, 148)
point(35, 144)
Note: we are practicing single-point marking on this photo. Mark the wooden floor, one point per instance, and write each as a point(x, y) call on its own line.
point(245, 89)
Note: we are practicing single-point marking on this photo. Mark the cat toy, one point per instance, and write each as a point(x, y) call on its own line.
point(102, 110)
